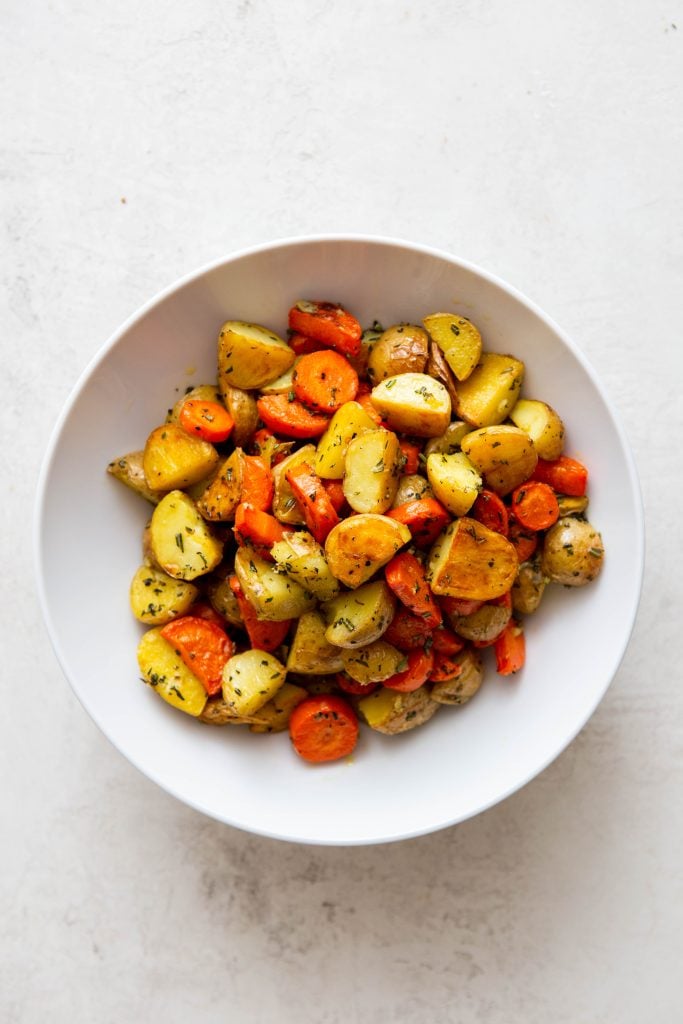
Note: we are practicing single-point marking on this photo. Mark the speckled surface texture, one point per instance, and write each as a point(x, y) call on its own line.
point(545, 142)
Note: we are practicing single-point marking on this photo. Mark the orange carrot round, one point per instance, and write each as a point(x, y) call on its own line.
point(324, 381)
point(424, 517)
point(415, 675)
point(290, 418)
point(327, 322)
point(406, 631)
point(564, 475)
point(323, 728)
point(534, 505)
point(207, 420)
point(489, 509)
point(524, 541)
point(510, 649)
point(406, 576)
point(203, 646)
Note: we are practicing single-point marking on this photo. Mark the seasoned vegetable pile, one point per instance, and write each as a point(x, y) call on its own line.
point(344, 521)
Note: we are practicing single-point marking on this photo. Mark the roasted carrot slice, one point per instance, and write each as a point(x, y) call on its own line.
point(262, 529)
point(523, 540)
point(411, 456)
point(324, 381)
point(335, 492)
point(460, 605)
point(564, 475)
point(490, 510)
point(313, 500)
point(263, 636)
point(405, 574)
point(446, 642)
point(425, 518)
point(356, 689)
point(208, 420)
point(534, 505)
point(415, 675)
point(203, 646)
point(406, 631)
point(257, 483)
point(302, 345)
point(327, 322)
point(290, 418)
point(510, 649)
point(323, 728)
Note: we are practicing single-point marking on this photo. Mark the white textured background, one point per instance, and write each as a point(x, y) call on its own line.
point(545, 141)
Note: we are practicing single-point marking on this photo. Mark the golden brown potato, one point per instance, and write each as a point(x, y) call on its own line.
point(483, 625)
point(573, 552)
point(250, 356)
point(223, 600)
point(156, 598)
point(449, 442)
point(491, 390)
point(219, 500)
point(285, 505)
point(218, 712)
point(182, 543)
point(458, 339)
point(301, 557)
point(438, 368)
point(360, 545)
point(454, 480)
point(359, 616)
point(528, 588)
point(373, 466)
point(242, 407)
point(542, 424)
point(274, 716)
point(275, 596)
point(373, 663)
point(413, 404)
point(412, 487)
point(165, 672)
point(505, 456)
point(470, 560)
point(348, 423)
point(403, 348)
point(465, 685)
point(391, 712)
point(250, 680)
point(174, 459)
point(129, 470)
point(283, 384)
point(311, 653)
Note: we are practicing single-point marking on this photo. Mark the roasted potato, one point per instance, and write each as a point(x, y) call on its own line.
point(173, 458)
point(285, 505)
point(181, 541)
point(403, 348)
point(464, 686)
point(361, 616)
point(283, 384)
point(301, 557)
point(438, 368)
point(218, 712)
point(528, 588)
point(360, 545)
point(250, 356)
point(505, 456)
point(413, 404)
point(470, 560)
point(202, 393)
point(570, 506)
point(542, 424)
point(373, 466)
point(244, 411)
point(275, 596)
point(572, 553)
point(391, 712)
point(219, 500)
point(454, 480)
point(491, 390)
point(449, 441)
point(411, 488)
point(373, 663)
point(311, 653)
point(458, 339)
point(348, 423)
point(165, 671)
point(484, 625)
point(156, 598)
point(223, 600)
point(250, 680)
point(274, 715)
point(129, 470)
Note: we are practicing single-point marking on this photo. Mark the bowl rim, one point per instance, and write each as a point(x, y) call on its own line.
point(40, 511)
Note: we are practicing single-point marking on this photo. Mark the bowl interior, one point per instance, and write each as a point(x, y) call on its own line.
point(88, 542)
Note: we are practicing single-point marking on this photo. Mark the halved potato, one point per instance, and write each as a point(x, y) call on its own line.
point(463, 686)
point(285, 505)
point(573, 552)
point(449, 441)
point(484, 625)
point(156, 598)
point(250, 680)
point(505, 456)
point(182, 542)
point(542, 424)
point(219, 500)
point(173, 458)
point(166, 672)
point(283, 384)
point(250, 356)
point(223, 600)
point(361, 616)
point(373, 466)
point(528, 588)
point(274, 715)
point(454, 480)
point(403, 348)
point(348, 423)
point(202, 393)
point(491, 390)
point(373, 663)
point(412, 487)
point(301, 557)
point(311, 653)
point(391, 712)
point(274, 596)
point(413, 404)
point(129, 470)
point(242, 407)
point(470, 560)
point(458, 339)
point(218, 712)
point(360, 545)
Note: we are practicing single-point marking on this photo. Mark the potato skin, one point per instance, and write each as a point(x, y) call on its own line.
point(438, 368)
point(310, 652)
point(274, 715)
point(301, 557)
point(129, 470)
point(372, 471)
point(542, 424)
point(360, 545)
point(458, 339)
point(454, 480)
point(528, 588)
point(166, 673)
point(403, 348)
point(202, 393)
point(250, 356)
point(573, 552)
point(391, 712)
point(242, 407)
point(372, 663)
point(504, 455)
point(358, 617)
point(250, 680)
point(219, 500)
point(411, 488)
point(449, 441)
point(470, 560)
point(484, 625)
point(414, 404)
point(285, 505)
point(275, 596)
point(463, 687)
point(182, 543)
point(348, 423)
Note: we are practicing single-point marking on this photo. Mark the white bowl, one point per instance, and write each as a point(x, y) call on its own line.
point(88, 532)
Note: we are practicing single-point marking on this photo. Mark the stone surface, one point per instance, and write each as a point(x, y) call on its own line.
point(543, 141)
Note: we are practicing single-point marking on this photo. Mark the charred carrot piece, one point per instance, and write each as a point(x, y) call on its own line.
point(405, 575)
point(490, 510)
point(356, 689)
point(406, 631)
point(417, 672)
point(335, 492)
point(523, 540)
point(262, 529)
point(313, 500)
point(302, 345)
point(510, 649)
point(446, 642)
point(411, 456)
point(328, 323)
